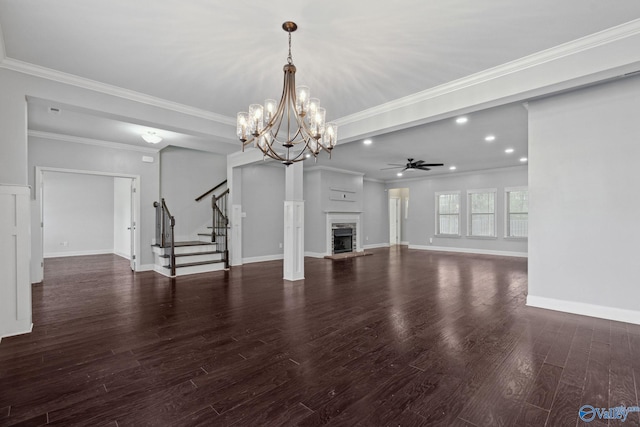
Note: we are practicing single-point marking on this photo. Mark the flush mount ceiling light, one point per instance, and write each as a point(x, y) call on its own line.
point(151, 137)
point(287, 130)
point(490, 138)
point(509, 150)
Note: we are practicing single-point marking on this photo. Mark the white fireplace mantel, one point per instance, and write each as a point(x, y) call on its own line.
point(334, 217)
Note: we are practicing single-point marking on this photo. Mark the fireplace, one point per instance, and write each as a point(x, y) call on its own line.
point(343, 238)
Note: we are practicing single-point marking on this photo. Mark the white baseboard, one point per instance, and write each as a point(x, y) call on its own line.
point(315, 254)
point(122, 255)
point(161, 270)
point(469, 251)
point(78, 253)
point(375, 246)
point(584, 309)
point(145, 267)
point(19, 331)
point(404, 243)
point(263, 258)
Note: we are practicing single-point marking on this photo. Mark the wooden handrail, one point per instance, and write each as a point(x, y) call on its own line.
point(211, 191)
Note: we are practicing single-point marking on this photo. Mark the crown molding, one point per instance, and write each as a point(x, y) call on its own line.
point(332, 169)
point(445, 175)
point(81, 82)
point(89, 141)
point(379, 181)
point(591, 41)
point(3, 50)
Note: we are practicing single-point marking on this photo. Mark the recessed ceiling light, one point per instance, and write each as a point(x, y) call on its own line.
point(523, 159)
point(509, 150)
point(452, 168)
point(307, 155)
point(462, 120)
point(399, 174)
point(151, 137)
point(490, 138)
point(367, 142)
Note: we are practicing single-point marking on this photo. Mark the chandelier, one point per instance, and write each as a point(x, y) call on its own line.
point(294, 128)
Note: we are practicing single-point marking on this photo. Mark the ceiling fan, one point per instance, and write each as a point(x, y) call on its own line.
point(411, 165)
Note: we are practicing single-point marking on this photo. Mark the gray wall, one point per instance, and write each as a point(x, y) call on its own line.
point(583, 178)
point(263, 192)
point(184, 175)
point(420, 224)
point(328, 190)
point(314, 217)
point(375, 215)
point(68, 155)
point(79, 213)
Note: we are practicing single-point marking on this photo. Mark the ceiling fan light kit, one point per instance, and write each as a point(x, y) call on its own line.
point(290, 130)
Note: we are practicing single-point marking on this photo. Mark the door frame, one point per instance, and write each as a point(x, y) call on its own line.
point(39, 200)
point(395, 205)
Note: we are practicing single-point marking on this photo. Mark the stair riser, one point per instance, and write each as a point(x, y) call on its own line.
point(183, 271)
point(197, 258)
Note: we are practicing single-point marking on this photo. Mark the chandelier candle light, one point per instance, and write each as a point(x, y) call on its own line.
point(288, 130)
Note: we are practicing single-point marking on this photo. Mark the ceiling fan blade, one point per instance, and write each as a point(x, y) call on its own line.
point(392, 167)
point(396, 164)
point(422, 168)
point(418, 162)
point(432, 164)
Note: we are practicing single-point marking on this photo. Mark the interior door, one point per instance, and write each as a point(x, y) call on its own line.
point(132, 227)
point(394, 221)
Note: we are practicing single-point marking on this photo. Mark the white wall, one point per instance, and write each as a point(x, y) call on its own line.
point(186, 174)
point(584, 148)
point(122, 217)
point(263, 192)
point(420, 224)
point(375, 215)
point(78, 214)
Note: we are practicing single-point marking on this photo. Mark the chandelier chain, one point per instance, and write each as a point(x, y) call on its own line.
point(289, 58)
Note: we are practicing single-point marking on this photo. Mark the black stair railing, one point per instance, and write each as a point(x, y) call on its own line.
point(165, 224)
point(220, 231)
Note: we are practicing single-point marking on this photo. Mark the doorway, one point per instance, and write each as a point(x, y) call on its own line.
point(398, 215)
point(83, 213)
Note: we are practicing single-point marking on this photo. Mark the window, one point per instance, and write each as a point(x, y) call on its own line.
point(517, 216)
point(482, 213)
point(448, 213)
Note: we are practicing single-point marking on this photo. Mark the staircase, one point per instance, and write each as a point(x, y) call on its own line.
point(208, 253)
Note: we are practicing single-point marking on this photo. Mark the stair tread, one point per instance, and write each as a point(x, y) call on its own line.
point(192, 264)
point(192, 254)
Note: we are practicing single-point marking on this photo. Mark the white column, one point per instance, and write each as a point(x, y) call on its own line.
point(293, 266)
point(15, 240)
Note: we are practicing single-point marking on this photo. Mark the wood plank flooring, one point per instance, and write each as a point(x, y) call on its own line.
point(402, 338)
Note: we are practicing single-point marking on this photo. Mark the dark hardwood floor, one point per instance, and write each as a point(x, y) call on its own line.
point(402, 337)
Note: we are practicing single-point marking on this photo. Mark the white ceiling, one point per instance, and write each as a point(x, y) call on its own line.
point(220, 56)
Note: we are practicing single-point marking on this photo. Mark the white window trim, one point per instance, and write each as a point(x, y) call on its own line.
point(495, 213)
point(437, 212)
point(507, 190)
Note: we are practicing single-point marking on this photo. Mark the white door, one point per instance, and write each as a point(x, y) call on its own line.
point(132, 227)
point(394, 221)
